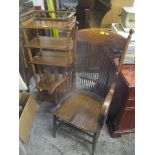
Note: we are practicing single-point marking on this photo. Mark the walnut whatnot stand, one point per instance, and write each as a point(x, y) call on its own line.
point(121, 117)
point(51, 47)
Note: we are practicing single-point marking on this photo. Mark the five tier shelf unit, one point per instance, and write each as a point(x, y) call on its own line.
point(51, 56)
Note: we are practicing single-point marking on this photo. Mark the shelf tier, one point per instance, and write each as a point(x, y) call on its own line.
point(47, 85)
point(43, 85)
point(49, 43)
point(44, 95)
point(40, 24)
point(57, 59)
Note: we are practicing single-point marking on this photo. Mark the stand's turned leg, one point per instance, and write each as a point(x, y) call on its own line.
point(54, 126)
point(94, 143)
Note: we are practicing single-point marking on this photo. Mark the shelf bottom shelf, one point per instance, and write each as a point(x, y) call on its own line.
point(45, 96)
point(51, 61)
point(44, 86)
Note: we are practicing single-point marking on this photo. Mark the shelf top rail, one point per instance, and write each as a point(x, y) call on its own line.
point(61, 15)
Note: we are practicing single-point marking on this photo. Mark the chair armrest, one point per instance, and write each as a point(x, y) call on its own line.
point(106, 104)
point(107, 100)
point(56, 84)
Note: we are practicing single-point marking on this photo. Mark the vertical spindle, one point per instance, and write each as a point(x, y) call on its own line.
point(29, 54)
point(68, 39)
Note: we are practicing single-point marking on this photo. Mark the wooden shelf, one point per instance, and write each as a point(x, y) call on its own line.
point(49, 43)
point(36, 24)
point(45, 86)
point(44, 95)
point(57, 59)
point(49, 80)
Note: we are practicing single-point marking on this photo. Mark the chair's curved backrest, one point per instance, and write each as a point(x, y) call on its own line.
point(100, 36)
point(95, 58)
point(94, 66)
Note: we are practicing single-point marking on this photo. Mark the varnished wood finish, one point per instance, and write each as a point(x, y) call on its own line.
point(124, 50)
point(48, 75)
point(121, 118)
point(105, 107)
point(59, 59)
point(49, 43)
point(130, 102)
point(61, 88)
point(60, 14)
point(58, 83)
point(68, 39)
point(43, 24)
point(128, 73)
point(55, 64)
point(63, 20)
point(45, 96)
point(108, 99)
point(85, 105)
point(43, 85)
point(30, 54)
point(81, 110)
point(94, 65)
point(102, 36)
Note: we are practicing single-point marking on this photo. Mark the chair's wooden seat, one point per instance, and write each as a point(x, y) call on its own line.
point(81, 110)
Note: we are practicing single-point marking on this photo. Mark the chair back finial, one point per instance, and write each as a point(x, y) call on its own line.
point(125, 50)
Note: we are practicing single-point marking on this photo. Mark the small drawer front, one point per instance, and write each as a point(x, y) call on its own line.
point(130, 103)
point(132, 92)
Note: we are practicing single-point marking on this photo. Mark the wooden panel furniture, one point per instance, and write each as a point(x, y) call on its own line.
point(121, 118)
point(51, 55)
point(84, 99)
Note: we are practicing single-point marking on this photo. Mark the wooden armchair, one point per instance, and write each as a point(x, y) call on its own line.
point(83, 99)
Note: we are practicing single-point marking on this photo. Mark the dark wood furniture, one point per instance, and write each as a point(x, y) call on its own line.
point(121, 117)
point(84, 99)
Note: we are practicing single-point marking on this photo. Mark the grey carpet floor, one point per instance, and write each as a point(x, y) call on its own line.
point(41, 141)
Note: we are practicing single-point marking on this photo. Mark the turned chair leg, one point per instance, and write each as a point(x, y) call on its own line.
point(54, 126)
point(94, 143)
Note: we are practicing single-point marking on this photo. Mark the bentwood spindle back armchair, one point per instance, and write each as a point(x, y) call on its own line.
point(83, 99)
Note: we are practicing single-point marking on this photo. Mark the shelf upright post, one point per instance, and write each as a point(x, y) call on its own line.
point(68, 45)
point(68, 39)
point(30, 54)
